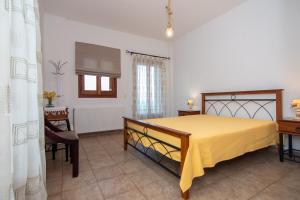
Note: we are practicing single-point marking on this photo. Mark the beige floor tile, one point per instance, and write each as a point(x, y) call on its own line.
point(92, 148)
point(90, 192)
point(53, 174)
point(89, 142)
point(107, 172)
point(122, 157)
point(271, 171)
point(53, 164)
point(251, 180)
point(229, 188)
point(208, 193)
point(115, 150)
point(159, 189)
point(292, 180)
point(103, 140)
point(84, 179)
point(114, 186)
point(144, 177)
point(132, 166)
point(82, 156)
point(84, 166)
point(55, 197)
point(130, 195)
point(278, 192)
point(211, 176)
point(54, 186)
point(101, 162)
point(96, 155)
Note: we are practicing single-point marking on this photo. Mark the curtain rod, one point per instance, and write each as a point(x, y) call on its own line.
point(132, 52)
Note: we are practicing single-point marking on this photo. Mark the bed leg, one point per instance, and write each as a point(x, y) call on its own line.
point(125, 134)
point(185, 195)
point(184, 148)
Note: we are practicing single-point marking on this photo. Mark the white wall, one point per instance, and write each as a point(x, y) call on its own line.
point(254, 46)
point(59, 36)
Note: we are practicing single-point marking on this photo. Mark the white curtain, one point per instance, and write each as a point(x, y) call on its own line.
point(22, 155)
point(149, 87)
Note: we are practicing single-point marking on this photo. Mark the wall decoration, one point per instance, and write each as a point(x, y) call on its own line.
point(58, 73)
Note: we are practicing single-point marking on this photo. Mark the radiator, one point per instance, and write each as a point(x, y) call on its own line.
point(94, 119)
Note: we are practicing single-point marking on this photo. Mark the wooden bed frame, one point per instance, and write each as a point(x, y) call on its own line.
point(184, 136)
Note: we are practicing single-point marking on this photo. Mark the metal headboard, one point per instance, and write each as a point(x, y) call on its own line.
point(238, 100)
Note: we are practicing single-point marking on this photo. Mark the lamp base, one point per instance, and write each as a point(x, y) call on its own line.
point(297, 113)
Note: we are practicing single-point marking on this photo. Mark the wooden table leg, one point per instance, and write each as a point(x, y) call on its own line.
point(290, 146)
point(75, 158)
point(281, 147)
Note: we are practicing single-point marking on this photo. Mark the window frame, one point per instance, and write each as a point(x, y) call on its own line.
point(82, 93)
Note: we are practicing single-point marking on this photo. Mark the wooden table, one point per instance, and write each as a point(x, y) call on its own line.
point(188, 112)
point(290, 127)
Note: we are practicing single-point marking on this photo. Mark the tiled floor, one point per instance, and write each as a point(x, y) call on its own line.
point(107, 172)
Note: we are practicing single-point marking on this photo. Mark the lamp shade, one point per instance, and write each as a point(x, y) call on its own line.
point(296, 103)
point(190, 102)
point(169, 32)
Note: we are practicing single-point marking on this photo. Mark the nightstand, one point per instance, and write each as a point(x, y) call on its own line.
point(188, 112)
point(290, 127)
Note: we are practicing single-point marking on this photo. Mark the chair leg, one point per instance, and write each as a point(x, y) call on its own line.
point(54, 149)
point(67, 152)
point(68, 124)
point(75, 158)
point(71, 152)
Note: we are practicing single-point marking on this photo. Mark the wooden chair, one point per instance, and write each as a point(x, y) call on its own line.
point(69, 138)
point(54, 144)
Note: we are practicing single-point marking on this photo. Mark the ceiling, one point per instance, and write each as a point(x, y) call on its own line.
point(140, 17)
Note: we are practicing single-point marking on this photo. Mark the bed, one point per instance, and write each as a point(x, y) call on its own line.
point(186, 145)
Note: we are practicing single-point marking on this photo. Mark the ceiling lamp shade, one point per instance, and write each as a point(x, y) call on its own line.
point(169, 32)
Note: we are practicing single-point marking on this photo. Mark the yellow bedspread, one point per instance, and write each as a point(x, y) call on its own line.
point(214, 139)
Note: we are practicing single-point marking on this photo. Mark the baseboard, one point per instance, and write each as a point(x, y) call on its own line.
point(91, 134)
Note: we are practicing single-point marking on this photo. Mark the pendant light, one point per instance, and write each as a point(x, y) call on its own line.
point(169, 30)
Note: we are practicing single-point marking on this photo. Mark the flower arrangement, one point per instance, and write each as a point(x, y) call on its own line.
point(296, 107)
point(49, 95)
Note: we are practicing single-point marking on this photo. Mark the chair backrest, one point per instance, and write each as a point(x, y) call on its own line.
point(51, 126)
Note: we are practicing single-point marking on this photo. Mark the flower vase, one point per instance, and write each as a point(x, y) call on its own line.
point(49, 103)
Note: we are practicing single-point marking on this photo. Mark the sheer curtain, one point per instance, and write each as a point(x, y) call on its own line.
point(22, 155)
point(149, 87)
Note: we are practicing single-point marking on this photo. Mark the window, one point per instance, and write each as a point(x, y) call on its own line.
point(93, 86)
point(149, 90)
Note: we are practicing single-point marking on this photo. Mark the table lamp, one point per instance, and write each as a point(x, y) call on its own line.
point(296, 107)
point(190, 103)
